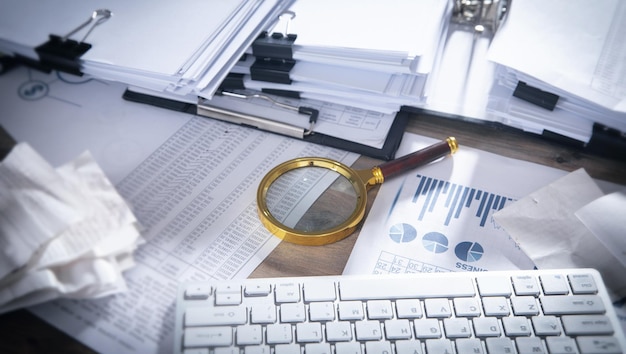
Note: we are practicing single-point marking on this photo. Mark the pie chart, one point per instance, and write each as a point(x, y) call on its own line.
point(469, 251)
point(435, 242)
point(402, 232)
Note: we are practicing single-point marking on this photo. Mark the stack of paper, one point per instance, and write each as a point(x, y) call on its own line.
point(63, 233)
point(176, 46)
point(370, 54)
point(572, 52)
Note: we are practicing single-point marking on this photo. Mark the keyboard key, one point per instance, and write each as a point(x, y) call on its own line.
point(530, 345)
point(582, 284)
point(351, 310)
point(215, 316)
point(398, 329)
point(486, 327)
point(286, 349)
point(466, 307)
point(572, 305)
point(257, 289)
point(427, 328)
point(381, 288)
point(308, 332)
point(368, 330)
point(208, 336)
point(561, 345)
point(500, 345)
point(292, 313)
point(586, 325)
point(382, 347)
point(469, 346)
point(279, 333)
point(408, 309)
point(457, 327)
point(338, 331)
point(496, 306)
point(443, 346)
point(249, 335)
point(525, 285)
point(516, 326)
point(408, 347)
point(198, 291)
point(317, 348)
point(348, 348)
point(263, 313)
point(319, 291)
point(257, 349)
point(287, 292)
point(525, 306)
point(599, 345)
point(546, 326)
point(379, 310)
point(321, 311)
point(554, 284)
point(494, 286)
point(438, 308)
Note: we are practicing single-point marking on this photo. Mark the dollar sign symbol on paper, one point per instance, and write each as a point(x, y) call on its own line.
point(33, 90)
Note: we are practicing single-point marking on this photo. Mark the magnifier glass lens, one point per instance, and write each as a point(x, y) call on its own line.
point(311, 199)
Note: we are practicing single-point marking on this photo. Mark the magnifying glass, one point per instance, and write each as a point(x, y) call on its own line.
point(316, 201)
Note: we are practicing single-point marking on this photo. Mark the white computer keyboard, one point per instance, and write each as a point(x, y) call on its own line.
point(564, 311)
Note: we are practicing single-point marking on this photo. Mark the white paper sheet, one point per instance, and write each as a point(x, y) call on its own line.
point(546, 227)
point(439, 217)
point(36, 206)
point(79, 261)
point(604, 217)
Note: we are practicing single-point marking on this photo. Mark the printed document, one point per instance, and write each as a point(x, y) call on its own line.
point(190, 181)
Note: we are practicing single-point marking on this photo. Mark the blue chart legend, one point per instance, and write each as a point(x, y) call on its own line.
point(455, 198)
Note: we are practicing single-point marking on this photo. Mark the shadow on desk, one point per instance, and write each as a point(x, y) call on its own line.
point(22, 332)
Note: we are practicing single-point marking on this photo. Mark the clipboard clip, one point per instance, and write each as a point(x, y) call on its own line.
point(62, 53)
point(203, 108)
point(483, 15)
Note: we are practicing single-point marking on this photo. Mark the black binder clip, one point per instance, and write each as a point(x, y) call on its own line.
point(543, 99)
point(272, 70)
point(62, 53)
point(277, 45)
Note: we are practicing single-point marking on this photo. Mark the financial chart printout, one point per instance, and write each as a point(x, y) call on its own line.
point(190, 181)
point(438, 218)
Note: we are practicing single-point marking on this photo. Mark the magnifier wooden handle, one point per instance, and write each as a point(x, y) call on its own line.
point(419, 158)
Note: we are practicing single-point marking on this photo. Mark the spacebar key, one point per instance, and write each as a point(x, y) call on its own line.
point(399, 288)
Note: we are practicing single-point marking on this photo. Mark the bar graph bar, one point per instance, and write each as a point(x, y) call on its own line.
point(435, 194)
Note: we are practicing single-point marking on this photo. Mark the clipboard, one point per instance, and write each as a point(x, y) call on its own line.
point(387, 152)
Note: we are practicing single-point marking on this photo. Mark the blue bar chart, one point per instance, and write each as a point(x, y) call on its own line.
point(432, 192)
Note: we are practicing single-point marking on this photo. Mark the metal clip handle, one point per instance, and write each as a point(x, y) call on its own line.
point(100, 16)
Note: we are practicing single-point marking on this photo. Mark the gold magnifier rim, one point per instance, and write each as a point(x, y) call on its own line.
point(312, 238)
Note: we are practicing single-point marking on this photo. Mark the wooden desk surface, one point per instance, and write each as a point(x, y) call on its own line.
point(22, 332)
